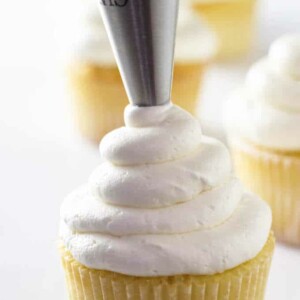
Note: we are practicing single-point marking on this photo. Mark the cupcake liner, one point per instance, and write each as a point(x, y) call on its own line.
point(275, 177)
point(246, 281)
point(233, 23)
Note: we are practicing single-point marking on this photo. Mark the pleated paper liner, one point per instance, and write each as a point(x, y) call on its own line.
point(275, 177)
point(247, 281)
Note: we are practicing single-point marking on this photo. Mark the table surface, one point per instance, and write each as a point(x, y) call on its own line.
point(42, 158)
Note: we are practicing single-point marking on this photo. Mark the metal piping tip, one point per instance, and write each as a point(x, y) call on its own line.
point(142, 35)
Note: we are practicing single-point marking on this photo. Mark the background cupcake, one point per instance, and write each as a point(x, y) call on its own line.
point(263, 122)
point(95, 83)
point(232, 21)
point(96, 87)
point(168, 222)
point(195, 50)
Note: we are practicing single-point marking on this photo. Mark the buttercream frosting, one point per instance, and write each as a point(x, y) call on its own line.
point(164, 201)
point(266, 111)
point(194, 41)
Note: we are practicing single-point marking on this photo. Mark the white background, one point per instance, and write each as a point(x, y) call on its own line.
point(42, 158)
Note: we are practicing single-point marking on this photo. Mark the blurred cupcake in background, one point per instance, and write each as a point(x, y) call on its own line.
point(195, 50)
point(96, 86)
point(97, 90)
point(263, 122)
point(232, 21)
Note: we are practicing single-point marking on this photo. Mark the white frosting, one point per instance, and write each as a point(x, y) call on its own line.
point(194, 41)
point(285, 56)
point(267, 110)
point(163, 202)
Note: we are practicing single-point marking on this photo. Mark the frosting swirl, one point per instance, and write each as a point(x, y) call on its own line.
point(163, 202)
point(269, 112)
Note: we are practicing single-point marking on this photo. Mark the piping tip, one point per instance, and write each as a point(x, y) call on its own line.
point(142, 35)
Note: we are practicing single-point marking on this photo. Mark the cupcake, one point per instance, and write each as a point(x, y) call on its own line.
point(263, 125)
point(163, 217)
point(232, 21)
point(96, 86)
point(195, 50)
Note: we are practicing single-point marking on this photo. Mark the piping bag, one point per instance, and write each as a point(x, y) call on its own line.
point(142, 35)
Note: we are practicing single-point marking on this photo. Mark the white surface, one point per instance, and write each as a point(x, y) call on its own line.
point(41, 160)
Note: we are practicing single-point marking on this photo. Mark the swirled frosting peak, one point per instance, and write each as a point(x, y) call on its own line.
point(163, 202)
point(285, 55)
point(267, 109)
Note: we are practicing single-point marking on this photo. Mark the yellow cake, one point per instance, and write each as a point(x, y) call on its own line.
point(95, 84)
point(232, 21)
point(247, 281)
point(263, 122)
